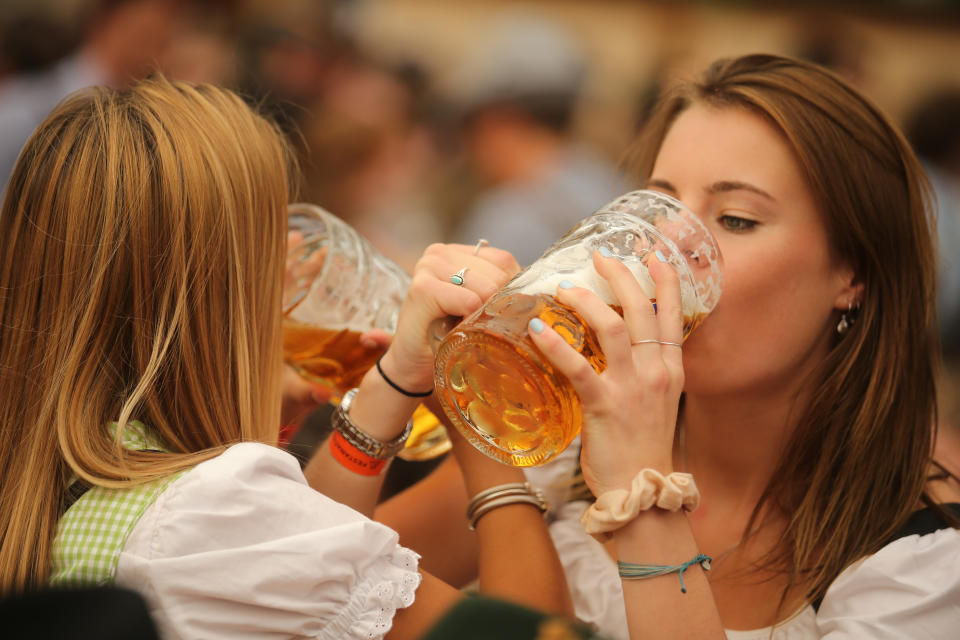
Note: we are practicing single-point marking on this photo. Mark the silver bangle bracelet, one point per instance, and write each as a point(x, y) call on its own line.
point(355, 436)
point(501, 496)
point(500, 489)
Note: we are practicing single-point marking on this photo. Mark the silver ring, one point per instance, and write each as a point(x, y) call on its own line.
point(482, 242)
point(457, 278)
point(651, 341)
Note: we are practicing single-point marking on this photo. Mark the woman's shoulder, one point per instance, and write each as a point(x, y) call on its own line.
point(243, 539)
point(911, 580)
point(249, 494)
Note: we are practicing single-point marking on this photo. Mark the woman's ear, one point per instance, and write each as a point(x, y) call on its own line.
point(850, 293)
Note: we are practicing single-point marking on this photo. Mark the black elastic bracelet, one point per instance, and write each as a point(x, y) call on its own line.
point(409, 394)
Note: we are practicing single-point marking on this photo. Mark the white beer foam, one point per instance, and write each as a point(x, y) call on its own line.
point(544, 281)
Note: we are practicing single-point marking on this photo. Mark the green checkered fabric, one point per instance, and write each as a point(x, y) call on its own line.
point(137, 436)
point(93, 531)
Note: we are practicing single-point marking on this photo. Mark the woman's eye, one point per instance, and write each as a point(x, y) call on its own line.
point(735, 224)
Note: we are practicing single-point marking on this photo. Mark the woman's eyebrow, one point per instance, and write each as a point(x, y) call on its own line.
point(724, 186)
point(661, 184)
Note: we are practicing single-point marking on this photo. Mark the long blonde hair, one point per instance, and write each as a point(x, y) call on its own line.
point(143, 238)
point(857, 463)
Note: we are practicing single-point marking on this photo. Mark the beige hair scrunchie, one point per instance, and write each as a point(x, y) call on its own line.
point(649, 488)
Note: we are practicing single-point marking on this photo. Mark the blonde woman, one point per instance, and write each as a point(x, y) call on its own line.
point(143, 237)
point(808, 395)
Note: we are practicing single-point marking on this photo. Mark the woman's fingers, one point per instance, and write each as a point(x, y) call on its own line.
point(454, 280)
point(566, 359)
point(637, 332)
point(669, 309)
point(300, 397)
point(659, 327)
point(434, 293)
point(294, 240)
point(638, 311)
point(632, 404)
point(502, 259)
point(302, 265)
point(437, 298)
point(376, 339)
point(609, 327)
point(454, 265)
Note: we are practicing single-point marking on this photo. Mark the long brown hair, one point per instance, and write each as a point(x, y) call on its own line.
point(856, 465)
point(143, 235)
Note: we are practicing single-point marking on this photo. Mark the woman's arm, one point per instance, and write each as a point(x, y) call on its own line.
point(630, 413)
point(510, 548)
point(430, 518)
point(381, 411)
point(515, 560)
point(434, 598)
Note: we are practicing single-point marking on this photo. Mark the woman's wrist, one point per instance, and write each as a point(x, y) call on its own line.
point(503, 495)
point(379, 410)
point(623, 478)
point(405, 375)
point(649, 490)
point(479, 471)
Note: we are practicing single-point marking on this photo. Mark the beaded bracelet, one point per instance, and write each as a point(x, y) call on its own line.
point(631, 571)
point(341, 422)
point(356, 450)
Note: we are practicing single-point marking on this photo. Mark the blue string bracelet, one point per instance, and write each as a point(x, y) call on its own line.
point(631, 571)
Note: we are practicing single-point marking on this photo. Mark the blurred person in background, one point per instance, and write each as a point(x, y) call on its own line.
point(205, 48)
point(286, 51)
point(833, 42)
point(361, 126)
point(21, 50)
point(933, 128)
point(120, 41)
point(520, 94)
point(370, 151)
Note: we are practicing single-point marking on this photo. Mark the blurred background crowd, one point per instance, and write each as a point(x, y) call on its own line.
point(428, 120)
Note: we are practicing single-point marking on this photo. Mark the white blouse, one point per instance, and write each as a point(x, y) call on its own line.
point(241, 547)
point(908, 589)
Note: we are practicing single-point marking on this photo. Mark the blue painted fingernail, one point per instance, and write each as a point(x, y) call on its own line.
point(566, 284)
point(654, 308)
point(660, 256)
point(537, 325)
point(606, 253)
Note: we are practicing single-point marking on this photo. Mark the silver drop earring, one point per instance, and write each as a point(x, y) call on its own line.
point(846, 320)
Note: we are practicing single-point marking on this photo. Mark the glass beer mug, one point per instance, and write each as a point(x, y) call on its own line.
point(496, 386)
point(338, 287)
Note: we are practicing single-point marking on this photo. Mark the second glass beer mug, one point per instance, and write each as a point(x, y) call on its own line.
point(338, 287)
point(496, 386)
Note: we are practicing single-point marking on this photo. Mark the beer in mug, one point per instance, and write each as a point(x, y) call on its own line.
point(337, 287)
point(495, 385)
